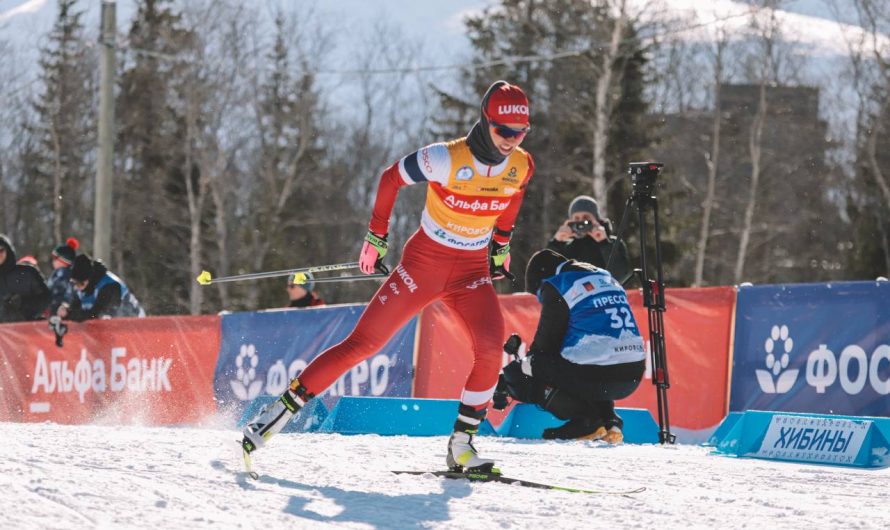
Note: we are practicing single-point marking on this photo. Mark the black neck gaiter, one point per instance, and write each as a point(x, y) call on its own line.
point(479, 140)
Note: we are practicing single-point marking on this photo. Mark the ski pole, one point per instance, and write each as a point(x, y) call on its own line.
point(206, 279)
point(332, 279)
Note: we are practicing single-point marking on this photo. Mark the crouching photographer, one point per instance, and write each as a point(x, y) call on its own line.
point(587, 351)
point(587, 236)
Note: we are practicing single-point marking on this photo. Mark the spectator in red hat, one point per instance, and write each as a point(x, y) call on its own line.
point(59, 284)
point(475, 186)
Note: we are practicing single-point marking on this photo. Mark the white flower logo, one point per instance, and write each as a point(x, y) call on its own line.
point(244, 386)
point(778, 346)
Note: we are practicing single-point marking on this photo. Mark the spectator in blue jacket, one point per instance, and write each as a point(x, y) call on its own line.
point(99, 293)
point(60, 288)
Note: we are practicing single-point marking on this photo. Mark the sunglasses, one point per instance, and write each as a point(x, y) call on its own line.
point(508, 132)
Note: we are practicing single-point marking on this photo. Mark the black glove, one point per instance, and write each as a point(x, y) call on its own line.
point(511, 347)
point(499, 261)
point(501, 398)
point(13, 302)
point(58, 327)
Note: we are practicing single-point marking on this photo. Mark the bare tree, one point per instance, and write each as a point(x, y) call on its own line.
point(866, 189)
point(766, 23)
point(712, 158)
point(605, 96)
point(391, 124)
point(876, 20)
point(211, 92)
point(609, 63)
point(286, 112)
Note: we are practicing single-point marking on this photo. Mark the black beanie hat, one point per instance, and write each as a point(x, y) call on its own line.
point(542, 265)
point(66, 253)
point(585, 203)
point(82, 268)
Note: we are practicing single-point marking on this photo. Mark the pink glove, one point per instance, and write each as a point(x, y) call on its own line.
point(373, 250)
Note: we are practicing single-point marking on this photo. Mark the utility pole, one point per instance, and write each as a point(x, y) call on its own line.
point(105, 165)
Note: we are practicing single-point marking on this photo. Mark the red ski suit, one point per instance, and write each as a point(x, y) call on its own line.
point(447, 258)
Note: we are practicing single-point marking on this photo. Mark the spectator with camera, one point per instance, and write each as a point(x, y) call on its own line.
point(586, 236)
point(98, 293)
point(23, 293)
point(587, 351)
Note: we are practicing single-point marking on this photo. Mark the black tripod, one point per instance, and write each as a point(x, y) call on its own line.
point(643, 176)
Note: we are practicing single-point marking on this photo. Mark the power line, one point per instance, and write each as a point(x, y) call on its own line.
point(435, 68)
point(474, 65)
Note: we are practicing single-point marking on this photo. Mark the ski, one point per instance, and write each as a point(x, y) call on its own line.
point(248, 467)
point(483, 476)
point(248, 463)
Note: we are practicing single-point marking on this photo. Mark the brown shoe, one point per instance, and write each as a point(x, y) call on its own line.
point(576, 429)
point(599, 434)
point(613, 435)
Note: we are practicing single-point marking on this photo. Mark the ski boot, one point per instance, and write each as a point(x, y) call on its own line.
point(614, 435)
point(274, 416)
point(462, 455)
point(577, 429)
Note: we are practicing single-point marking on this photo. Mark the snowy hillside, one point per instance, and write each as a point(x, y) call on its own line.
point(75, 477)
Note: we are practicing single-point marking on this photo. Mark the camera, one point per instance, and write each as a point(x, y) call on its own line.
point(643, 175)
point(58, 327)
point(579, 228)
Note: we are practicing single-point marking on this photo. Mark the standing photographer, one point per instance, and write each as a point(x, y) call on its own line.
point(587, 237)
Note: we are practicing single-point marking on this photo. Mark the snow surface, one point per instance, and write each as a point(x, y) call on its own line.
point(66, 477)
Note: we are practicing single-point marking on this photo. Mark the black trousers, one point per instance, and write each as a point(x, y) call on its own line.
point(573, 391)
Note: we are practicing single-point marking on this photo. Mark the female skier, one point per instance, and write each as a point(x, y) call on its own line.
point(475, 187)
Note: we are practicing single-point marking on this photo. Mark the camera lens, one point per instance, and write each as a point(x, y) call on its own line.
point(581, 227)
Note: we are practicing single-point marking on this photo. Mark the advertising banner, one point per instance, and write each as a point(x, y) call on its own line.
point(261, 352)
point(445, 355)
point(820, 348)
point(698, 334)
point(156, 371)
point(698, 325)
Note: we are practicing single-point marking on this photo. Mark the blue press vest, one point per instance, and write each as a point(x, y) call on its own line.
point(602, 329)
point(129, 305)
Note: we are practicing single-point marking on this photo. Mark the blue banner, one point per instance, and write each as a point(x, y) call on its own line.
point(261, 352)
point(820, 348)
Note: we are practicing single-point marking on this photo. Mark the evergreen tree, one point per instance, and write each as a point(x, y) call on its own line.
point(59, 155)
point(290, 199)
point(151, 239)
